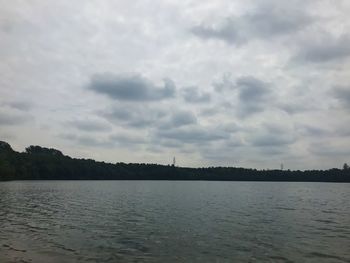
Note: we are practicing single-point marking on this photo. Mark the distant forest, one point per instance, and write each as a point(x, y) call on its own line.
point(39, 163)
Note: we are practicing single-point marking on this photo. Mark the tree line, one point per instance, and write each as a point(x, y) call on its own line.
point(39, 163)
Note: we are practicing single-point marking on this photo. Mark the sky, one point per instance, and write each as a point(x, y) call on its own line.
point(246, 83)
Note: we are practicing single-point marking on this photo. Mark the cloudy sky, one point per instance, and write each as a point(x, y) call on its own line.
point(234, 83)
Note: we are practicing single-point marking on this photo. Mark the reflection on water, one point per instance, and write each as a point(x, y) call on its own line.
point(156, 221)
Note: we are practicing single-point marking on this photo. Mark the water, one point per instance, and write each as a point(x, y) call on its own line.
point(162, 221)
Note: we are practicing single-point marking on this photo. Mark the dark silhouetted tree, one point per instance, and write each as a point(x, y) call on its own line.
point(39, 163)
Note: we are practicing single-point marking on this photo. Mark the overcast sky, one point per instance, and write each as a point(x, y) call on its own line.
point(231, 83)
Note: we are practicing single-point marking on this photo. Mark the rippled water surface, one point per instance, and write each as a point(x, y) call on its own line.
point(156, 221)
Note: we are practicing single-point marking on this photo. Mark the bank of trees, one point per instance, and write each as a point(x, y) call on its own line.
point(39, 163)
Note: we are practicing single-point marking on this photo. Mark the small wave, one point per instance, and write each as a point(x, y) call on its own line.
point(67, 249)
point(284, 208)
point(32, 227)
point(329, 212)
point(14, 249)
point(326, 221)
point(280, 258)
point(323, 255)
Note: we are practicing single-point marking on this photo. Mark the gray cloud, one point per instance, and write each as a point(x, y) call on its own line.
point(93, 142)
point(326, 149)
point(131, 87)
point(225, 83)
point(228, 32)
point(20, 105)
point(87, 140)
point(136, 116)
point(208, 112)
point(277, 20)
point(342, 129)
point(323, 50)
point(178, 119)
point(293, 108)
point(230, 127)
point(123, 139)
point(272, 136)
point(195, 134)
point(253, 95)
point(121, 113)
point(183, 118)
point(13, 118)
point(272, 140)
point(309, 130)
point(251, 89)
point(278, 150)
point(193, 95)
point(264, 22)
point(343, 95)
point(90, 125)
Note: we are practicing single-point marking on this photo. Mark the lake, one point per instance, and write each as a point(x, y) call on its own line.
point(174, 221)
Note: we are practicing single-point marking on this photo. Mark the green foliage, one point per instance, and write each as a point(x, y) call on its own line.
point(39, 163)
point(43, 151)
point(7, 171)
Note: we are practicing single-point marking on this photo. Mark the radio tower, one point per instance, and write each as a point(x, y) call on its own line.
point(174, 161)
point(281, 166)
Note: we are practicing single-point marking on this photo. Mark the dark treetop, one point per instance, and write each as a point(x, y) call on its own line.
point(38, 163)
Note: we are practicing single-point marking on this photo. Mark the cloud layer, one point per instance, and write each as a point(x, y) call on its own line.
point(265, 21)
point(131, 87)
point(244, 83)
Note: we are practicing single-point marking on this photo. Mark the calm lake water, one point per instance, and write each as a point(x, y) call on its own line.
point(164, 221)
